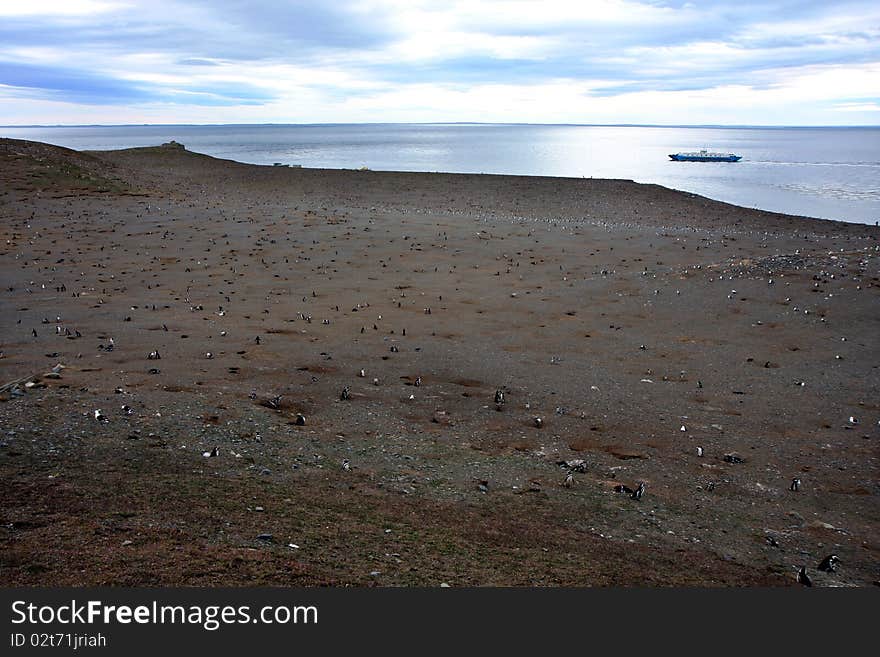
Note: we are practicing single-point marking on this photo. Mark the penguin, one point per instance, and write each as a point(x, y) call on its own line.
point(829, 563)
point(795, 484)
point(300, 420)
point(539, 422)
point(637, 494)
point(803, 578)
point(699, 451)
point(499, 396)
point(418, 381)
point(346, 465)
point(346, 393)
point(569, 479)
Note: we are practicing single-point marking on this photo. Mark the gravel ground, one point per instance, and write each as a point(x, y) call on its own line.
point(629, 327)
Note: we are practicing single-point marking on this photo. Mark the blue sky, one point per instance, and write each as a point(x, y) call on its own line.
point(553, 61)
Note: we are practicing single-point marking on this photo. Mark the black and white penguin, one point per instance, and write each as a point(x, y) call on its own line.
point(803, 578)
point(637, 494)
point(829, 563)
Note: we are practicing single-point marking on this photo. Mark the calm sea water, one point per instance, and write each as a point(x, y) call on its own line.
point(831, 173)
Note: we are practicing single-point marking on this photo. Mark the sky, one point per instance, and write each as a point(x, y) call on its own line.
point(718, 62)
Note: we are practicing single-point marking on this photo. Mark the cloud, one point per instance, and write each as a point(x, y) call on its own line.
point(366, 60)
point(74, 85)
point(858, 107)
point(69, 84)
point(43, 8)
point(197, 61)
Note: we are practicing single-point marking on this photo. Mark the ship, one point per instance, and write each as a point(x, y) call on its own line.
point(705, 156)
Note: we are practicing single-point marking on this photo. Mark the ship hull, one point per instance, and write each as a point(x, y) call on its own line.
point(679, 157)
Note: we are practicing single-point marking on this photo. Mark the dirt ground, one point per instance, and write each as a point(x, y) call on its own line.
point(625, 325)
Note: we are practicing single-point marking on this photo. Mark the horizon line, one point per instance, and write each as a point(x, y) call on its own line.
point(462, 123)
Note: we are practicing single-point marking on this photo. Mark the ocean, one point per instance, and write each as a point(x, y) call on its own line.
point(831, 173)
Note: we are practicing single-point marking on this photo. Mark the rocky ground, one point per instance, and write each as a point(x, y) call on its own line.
point(319, 407)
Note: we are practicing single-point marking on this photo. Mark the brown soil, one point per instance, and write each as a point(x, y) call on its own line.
point(605, 308)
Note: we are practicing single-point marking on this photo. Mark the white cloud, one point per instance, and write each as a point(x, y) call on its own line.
point(857, 107)
point(58, 7)
point(599, 61)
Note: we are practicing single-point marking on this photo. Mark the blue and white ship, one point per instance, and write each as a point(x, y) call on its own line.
point(705, 156)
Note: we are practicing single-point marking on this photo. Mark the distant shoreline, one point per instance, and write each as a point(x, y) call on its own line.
point(776, 172)
point(550, 197)
point(455, 123)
